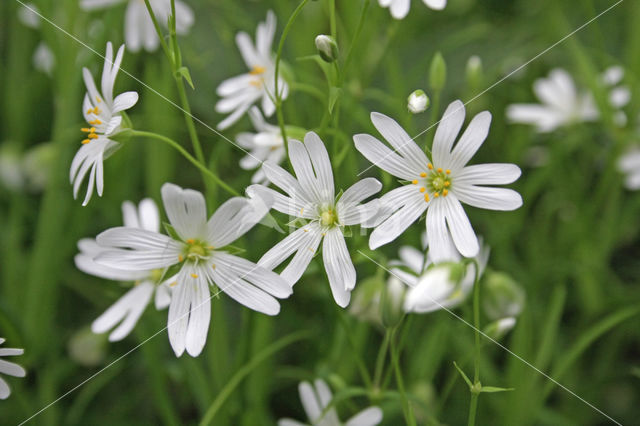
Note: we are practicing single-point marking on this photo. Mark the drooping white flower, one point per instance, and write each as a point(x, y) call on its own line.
point(9, 368)
point(315, 398)
point(400, 8)
point(563, 104)
point(311, 197)
point(264, 145)
point(439, 187)
point(103, 114)
point(240, 92)
point(629, 164)
point(197, 247)
point(139, 31)
point(127, 310)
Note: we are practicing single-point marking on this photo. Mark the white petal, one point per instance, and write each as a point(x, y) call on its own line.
point(309, 401)
point(133, 26)
point(130, 215)
point(285, 248)
point(400, 141)
point(368, 417)
point(186, 211)
point(361, 214)
point(339, 267)
point(135, 238)
point(471, 140)
point(446, 133)
point(178, 320)
point(412, 258)
point(557, 90)
point(321, 164)
point(488, 174)
point(200, 314)
point(544, 118)
point(11, 369)
point(282, 203)
point(259, 276)
point(413, 205)
point(162, 297)
point(243, 292)
point(11, 352)
point(437, 233)
point(265, 33)
point(124, 101)
point(301, 163)
point(619, 97)
point(324, 396)
point(149, 215)
point(235, 217)
point(89, 5)
point(247, 50)
point(235, 115)
point(489, 198)
point(283, 179)
point(86, 264)
point(290, 422)
point(126, 311)
point(184, 17)
point(268, 107)
point(5, 391)
point(381, 156)
point(234, 85)
point(400, 8)
point(359, 192)
point(436, 4)
point(461, 231)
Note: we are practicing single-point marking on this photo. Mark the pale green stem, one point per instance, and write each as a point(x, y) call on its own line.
point(406, 404)
point(473, 406)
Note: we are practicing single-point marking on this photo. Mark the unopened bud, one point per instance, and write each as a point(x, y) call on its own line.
point(474, 72)
point(417, 102)
point(502, 296)
point(437, 72)
point(327, 48)
point(498, 329)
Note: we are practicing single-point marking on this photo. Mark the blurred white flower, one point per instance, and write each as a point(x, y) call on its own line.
point(29, 15)
point(417, 101)
point(264, 145)
point(139, 31)
point(400, 8)
point(439, 187)
point(497, 329)
point(195, 246)
point(11, 171)
point(629, 164)
point(103, 114)
point(127, 310)
point(43, 59)
point(315, 398)
point(372, 293)
point(311, 196)
point(240, 92)
point(562, 103)
point(9, 368)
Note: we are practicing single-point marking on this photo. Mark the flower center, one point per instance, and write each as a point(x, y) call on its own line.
point(436, 182)
point(328, 217)
point(91, 131)
point(156, 275)
point(195, 250)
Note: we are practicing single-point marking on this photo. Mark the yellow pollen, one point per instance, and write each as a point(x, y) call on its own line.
point(173, 284)
point(257, 69)
point(439, 170)
point(447, 183)
point(415, 182)
point(423, 174)
point(90, 110)
point(86, 141)
point(305, 230)
point(301, 210)
point(213, 267)
point(436, 194)
point(422, 189)
point(190, 241)
point(430, 166)
point(96, 121)
point(194, 275)
point(324, 234)
point(92, 136)
point(180, 258)
point(311, 250)
point(426, 197)
point(98, 99)
point(445, 192)
point(448, 171)
point(255, 83)
point(88, 130)
point(96, 110)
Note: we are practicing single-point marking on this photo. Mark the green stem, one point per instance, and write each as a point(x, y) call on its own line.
point(406, 405)
point(278, 95)
point(163, 43)
point(185, 154)
point(380, 360)
point(473, 406)
point(347, 60)
point(366, 378)
point(245, 370)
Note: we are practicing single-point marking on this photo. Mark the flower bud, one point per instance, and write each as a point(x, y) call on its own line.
point(437, 72)
point(498, 329)
point(392, 297)
point(443, 285)
point(327, 48)
point(474, 72)
point(86, 348)
point(502, 296)
point(417, 101)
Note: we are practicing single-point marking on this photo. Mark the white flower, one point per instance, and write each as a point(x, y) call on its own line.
point(196, 246)
point(317, 397)
point(138, 27)
point(441, 186)
point(240, 92)
point(400, 8)
point(103, 115)
point(312, 197)
point(265, 145)
point(9, 368)
point(43, 59)
point(128, 309)
point(629, 164)
point(417, 101)
point(562, 103)
point(29, 15)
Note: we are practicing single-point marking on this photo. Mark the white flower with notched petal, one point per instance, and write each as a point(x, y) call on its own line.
point(103, 114)
point(441, 186)
point(139, 31)
point(312, 197)
point(240, 92)
point(400, 8)
point(629, 164)
point(127, 310)
point(264, 145)
point(196, 245)
point(317, 397)
point(9, 368)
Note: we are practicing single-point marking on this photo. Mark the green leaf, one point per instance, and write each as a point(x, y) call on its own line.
point(491, 389)
point(464, 376)
point(184, 73)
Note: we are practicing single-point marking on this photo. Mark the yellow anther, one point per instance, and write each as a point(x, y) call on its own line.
point(439, 170)
point(213, 266)
point(426, 197)
point(86, 130)
point(422, 189)
point(194, 275)
point(448, 171)
point(173, 284)
point(96, 110)
point(305, 230)
point(436, 194)
point(257, 69)
point(98, 99)
point(85, 141)
point(423, 174)
point(190, 241)
point(430, 166)
point(311, 250)
point(210, 247)
point(255, 83)
point(324, 234)
point(90, 110)
point(302, 210)
point(445, 192)
point(447, 183)
point(180, 258)
point(92, 136)
point(415, 182)
point(96, 121)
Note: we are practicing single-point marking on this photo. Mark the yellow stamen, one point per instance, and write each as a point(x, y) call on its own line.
point(98, 99)
point(213, 266)
point(194, 275)
point(436, 194)
point(173, 284)
point(86, 141)
point(301, 210)
point(422, 189)
point(210, 247)
point(180, 258)
point(92, 136)
point(305, 230)
point(448, 171)
point(415, 182)
point(430, 166)
point(426, 197)
point(447, 183)
point(257, 69)
point(439, 170)
point(255, 83)
point(96, 110)
point(311, 250)
point(445, 192)
point(90, 110)
point(96, 121)
point(423, 174)
point(190, 241)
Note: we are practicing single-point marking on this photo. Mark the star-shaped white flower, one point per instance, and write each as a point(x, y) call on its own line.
point(139, 31)
point(127, 310)
point(9, 368)
point(440, 186)
point(315, 398)
point(264, 145)
point(240, 92)
point(311, 197)
point(562, 104)
point(400, 8)
point(197, 247)
point(103, 115)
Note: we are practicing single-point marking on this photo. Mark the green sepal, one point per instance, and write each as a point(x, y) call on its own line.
point(171, 231)
point(491, 389)
point(464, 376)
point(184, 73)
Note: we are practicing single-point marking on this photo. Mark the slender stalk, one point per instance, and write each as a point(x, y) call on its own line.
point(382, 352)
point(278, 95)
point(406, 404)
point(366, 378)
point(356, 35)
point(473, 406)
point(188, 156)
point(163, 43)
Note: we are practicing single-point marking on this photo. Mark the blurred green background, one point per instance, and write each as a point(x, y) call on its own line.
point(573, 246)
